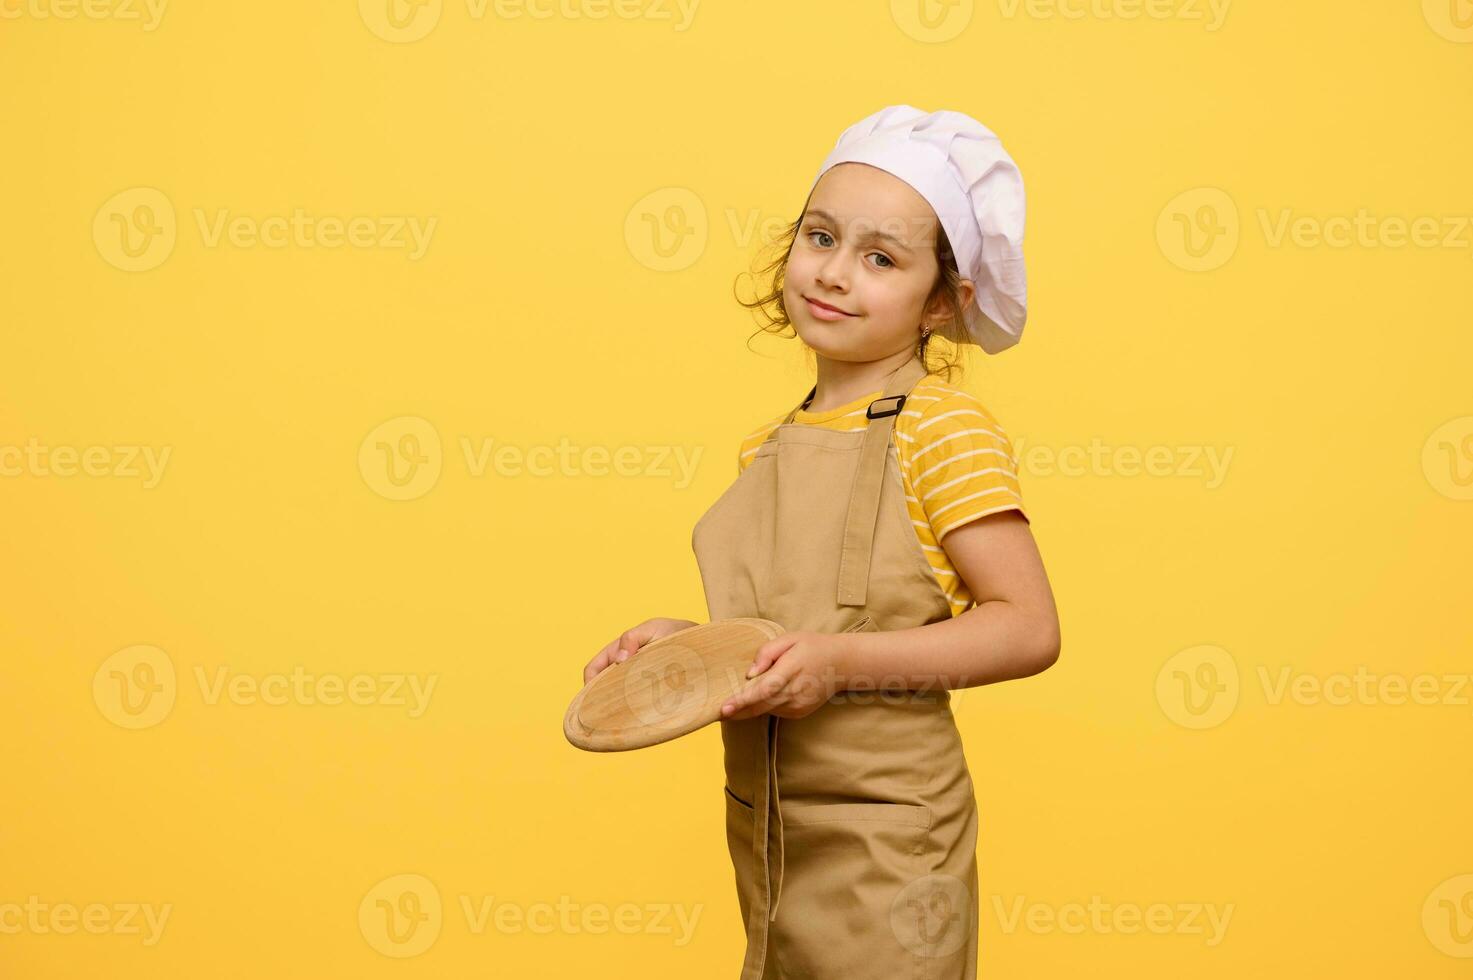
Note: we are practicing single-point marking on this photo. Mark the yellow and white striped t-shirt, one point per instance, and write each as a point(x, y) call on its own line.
point(956, 464)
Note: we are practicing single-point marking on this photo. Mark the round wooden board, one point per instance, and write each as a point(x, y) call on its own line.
point(669, 688)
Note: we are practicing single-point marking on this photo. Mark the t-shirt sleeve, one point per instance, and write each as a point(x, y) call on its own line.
point(962, 465)
point(747, 451)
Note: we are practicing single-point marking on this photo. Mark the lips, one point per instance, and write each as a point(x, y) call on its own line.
point(825, 306)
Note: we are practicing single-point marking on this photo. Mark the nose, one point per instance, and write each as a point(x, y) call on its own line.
point(833, 272)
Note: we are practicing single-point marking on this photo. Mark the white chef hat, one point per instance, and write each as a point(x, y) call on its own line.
point(959, 166)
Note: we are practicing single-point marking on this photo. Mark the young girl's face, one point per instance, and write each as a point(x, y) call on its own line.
point(866, 247)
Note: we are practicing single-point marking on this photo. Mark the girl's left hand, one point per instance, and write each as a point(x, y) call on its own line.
point(792, 676)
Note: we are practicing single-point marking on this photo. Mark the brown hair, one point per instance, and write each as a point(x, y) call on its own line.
point(952, 333)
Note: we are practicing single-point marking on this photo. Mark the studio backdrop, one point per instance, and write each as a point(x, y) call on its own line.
point(365, 366)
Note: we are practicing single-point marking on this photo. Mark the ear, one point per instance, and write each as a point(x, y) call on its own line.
point(966, 291)
point(938, 315)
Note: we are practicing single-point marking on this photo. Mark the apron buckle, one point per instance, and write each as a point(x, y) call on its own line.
point(870, 412)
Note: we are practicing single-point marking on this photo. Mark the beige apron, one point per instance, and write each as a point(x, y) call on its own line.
point(863, 830)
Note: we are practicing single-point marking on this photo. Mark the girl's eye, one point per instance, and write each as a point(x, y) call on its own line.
point(828, 239)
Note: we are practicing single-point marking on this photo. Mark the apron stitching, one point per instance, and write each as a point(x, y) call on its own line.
point(866, 490)
point(782, 849)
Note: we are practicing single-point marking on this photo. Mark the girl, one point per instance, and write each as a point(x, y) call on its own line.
point(880, 523)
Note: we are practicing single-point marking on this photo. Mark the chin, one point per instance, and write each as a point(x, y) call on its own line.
point(822, 343)
point(814, 335)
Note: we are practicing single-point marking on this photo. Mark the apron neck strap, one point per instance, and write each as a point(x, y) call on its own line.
point(806, 402)
point(899, 384)
point(869, 474)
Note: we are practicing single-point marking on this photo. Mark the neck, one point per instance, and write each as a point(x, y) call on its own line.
point(841, 382)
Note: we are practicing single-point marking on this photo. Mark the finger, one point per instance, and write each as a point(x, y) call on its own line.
point(757, 706)
point(761, 695)
point(740, 699)
point(594, 667)
point(768, 653)
point(632, 639)
point(600, 660)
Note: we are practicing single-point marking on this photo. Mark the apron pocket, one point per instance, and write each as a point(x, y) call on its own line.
point(847, 863)
point(733, 798)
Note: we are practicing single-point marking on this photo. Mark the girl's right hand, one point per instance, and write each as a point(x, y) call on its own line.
point(628, 643)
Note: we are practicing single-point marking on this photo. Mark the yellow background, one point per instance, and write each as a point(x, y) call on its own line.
point(542, 310)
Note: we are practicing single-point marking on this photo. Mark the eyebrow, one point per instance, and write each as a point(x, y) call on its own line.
point(869, 236)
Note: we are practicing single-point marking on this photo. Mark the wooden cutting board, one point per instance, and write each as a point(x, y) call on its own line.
point(669, 688)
